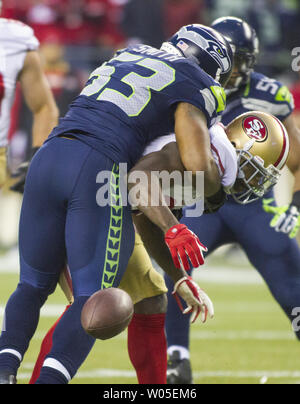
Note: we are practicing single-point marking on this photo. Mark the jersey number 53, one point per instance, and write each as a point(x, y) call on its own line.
point(163, 75)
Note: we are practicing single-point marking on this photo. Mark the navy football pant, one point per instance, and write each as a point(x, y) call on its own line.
point(274, 255)
point(61, 221)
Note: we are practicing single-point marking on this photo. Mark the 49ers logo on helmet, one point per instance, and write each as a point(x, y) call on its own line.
point(255, 128)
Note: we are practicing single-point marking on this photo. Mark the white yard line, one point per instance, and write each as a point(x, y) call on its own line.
point(244, 335)
point(261, 375)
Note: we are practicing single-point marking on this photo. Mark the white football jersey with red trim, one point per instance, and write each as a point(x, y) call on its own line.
point(16, 39)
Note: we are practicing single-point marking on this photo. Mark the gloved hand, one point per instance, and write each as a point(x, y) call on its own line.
point(286, 218)
point(21, 173)
point(184, 244)
point(196, 299)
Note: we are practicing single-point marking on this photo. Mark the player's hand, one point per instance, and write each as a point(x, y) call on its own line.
point(196, 299)
point(21, 174)
point(286, 218)
point(184, 244)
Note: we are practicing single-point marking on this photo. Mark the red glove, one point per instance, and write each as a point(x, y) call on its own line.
point(184, 244)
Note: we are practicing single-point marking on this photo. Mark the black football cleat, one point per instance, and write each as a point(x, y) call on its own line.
point(7, 378)
point(179, 370)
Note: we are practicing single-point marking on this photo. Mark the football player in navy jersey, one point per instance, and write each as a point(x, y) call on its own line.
point(269, 242)
point(125, 101)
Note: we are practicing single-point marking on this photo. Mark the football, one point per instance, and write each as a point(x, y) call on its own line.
point(107, 313)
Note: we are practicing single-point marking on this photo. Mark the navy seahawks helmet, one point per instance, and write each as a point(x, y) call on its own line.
point(206, 47)
point(245, 45)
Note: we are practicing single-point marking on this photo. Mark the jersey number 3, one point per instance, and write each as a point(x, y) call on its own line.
point(163, 75)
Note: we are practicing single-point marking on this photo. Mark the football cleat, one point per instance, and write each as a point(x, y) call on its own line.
point(179, 371)
point(7, 378)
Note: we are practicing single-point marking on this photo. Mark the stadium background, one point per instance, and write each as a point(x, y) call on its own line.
point(250, 340)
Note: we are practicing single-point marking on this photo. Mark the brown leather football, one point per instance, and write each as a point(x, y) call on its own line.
point(107, 313)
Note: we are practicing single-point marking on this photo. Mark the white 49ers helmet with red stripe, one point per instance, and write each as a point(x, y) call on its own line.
point(262, 145)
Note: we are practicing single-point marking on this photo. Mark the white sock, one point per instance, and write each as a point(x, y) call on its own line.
point(55, 364)
point(12, 352)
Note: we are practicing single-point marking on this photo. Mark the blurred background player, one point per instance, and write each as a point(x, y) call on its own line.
point(275, 254)
point(20, 61)
point(98, 240)
point(21, 73)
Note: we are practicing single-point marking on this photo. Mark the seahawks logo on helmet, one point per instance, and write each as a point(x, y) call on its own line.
point(211, 42)
point(220, 54)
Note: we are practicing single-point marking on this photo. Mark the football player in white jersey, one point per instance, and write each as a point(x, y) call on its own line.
point(20, 61)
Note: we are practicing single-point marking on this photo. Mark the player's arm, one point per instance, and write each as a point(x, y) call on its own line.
point(40, 101)
point(38, 97)
point(182, 243)
point(178, 239)
point(287, 218)
point(146, 195)
point(194, 146)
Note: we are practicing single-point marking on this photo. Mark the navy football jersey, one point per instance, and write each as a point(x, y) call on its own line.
point(260, 94)
point(130, 100)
